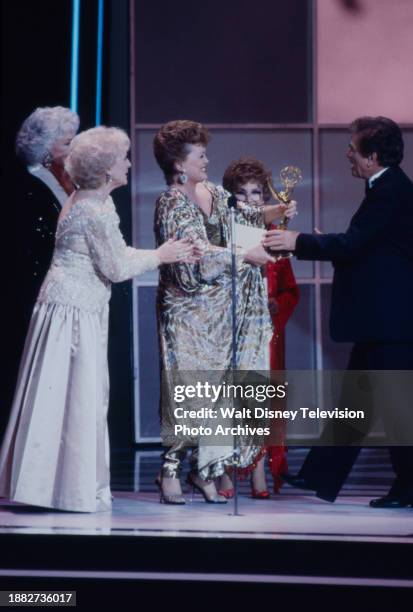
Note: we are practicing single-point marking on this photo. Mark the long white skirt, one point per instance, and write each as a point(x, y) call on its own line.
point(56, 449)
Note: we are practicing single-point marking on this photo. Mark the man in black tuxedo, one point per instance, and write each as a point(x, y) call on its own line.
point(372, 295)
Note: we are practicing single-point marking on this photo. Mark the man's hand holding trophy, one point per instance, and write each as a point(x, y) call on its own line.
point(280, 239)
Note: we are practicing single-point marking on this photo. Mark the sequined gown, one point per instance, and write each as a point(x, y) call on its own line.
point(283, 288)
point(55, 452)
point(194, 310)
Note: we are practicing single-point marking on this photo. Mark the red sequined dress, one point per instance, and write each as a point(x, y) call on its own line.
point(283, 296)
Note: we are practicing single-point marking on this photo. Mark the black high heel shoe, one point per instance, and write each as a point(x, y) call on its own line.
point(164, 498)
point(210, 499)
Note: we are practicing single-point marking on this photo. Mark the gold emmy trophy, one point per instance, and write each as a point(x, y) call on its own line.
point(290, 176)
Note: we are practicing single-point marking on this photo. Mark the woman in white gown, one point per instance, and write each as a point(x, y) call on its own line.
point(56, 452)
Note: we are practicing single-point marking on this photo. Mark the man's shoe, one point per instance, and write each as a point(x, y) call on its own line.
point(388, 501)
point(326, 496)
point(297, 482)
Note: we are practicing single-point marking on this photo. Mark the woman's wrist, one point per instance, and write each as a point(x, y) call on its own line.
point(158, 256)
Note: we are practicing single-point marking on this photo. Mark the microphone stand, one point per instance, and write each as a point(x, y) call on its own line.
point(232, 204)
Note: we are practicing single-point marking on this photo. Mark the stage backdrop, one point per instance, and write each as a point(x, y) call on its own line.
point(267, 79)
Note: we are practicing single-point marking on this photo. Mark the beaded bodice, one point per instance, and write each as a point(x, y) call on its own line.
point(90, 253)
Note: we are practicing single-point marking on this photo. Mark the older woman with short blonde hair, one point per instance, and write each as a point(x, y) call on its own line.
point(94, 153)
point(56, 451)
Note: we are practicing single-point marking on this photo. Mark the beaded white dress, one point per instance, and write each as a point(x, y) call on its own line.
point(56, 452)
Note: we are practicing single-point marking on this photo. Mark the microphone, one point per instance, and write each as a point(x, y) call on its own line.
point(232, 201)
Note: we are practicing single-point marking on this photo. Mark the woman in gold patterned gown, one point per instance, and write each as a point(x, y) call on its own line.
point(194, 300)
point(248, 180)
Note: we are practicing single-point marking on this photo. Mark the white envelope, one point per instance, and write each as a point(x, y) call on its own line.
point(248, 237)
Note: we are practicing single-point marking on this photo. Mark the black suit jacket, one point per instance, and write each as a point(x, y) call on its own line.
point(36, 214)
point(372, 296)
point(30, 213)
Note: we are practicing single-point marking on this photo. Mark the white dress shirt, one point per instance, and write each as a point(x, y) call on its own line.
point(376, 176)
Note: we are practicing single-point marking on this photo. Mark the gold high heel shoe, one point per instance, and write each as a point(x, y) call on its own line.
point(196, 483)
point(164, 498)
point(170, 470)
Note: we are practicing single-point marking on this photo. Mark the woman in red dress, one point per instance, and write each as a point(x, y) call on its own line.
point(247, 179)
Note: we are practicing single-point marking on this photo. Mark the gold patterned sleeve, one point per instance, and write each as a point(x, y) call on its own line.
point(108, 250)
point(174, 218)
point(217, 261)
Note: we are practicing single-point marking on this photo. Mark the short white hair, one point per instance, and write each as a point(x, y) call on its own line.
point(93, 153)
point(41, 130)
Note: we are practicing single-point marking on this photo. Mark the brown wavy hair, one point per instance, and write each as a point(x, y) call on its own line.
point(379, 135)
point(171, 144)
point(247, 169)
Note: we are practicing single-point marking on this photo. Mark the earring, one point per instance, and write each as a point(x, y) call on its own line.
point(109, 179)
point(47, 162)
point(182, 178)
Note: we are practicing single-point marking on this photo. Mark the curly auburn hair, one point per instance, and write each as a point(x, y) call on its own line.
point(379, 135)
point(242, 171)
point(171, 144)
point(93, 153)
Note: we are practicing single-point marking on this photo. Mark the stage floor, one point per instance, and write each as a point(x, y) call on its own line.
point(293, 541)
point(284, 516)
point(291, 514)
